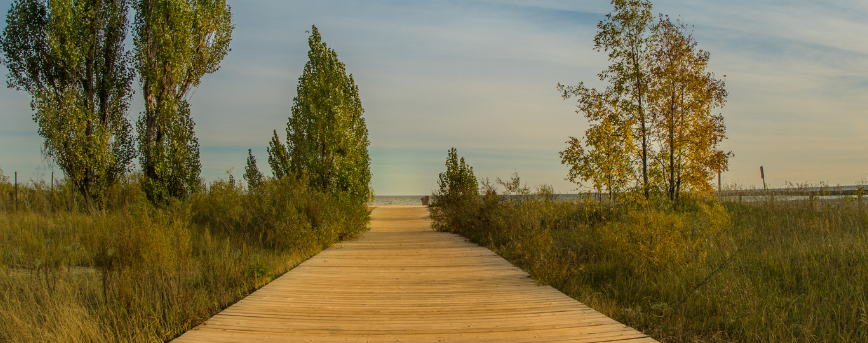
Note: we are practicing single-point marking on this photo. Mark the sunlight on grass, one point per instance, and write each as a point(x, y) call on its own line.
point(139, 272)
point(694, 270)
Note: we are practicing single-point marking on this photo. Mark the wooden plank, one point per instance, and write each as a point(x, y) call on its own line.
point(402, 281)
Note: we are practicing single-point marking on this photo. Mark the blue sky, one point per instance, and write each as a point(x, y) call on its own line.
point(480, 76)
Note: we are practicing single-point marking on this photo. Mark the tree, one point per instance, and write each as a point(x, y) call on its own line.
point(457, 183)
point(251, 172)
point(626, 36)
point(659, 94)
point(278, 158)
point(608, 160)
point(327, 140)
point(683, 95)
point(69, 55)
point(176, 43)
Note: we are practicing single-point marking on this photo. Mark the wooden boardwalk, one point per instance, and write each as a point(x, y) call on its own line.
point(404, 282)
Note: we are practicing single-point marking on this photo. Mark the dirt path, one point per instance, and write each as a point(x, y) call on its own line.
point(404, 282)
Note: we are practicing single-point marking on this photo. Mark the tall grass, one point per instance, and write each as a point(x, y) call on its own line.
point(138, 272)
point(694, 271)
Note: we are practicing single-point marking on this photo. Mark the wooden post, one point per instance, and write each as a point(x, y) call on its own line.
point(719, 195)
point(763, 176)
point(15, 197)
point(718, 182)
point(51, 201)
point(859, 197)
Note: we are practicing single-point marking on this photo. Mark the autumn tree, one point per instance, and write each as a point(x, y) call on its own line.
point(626, 35)
point(327, 139)
point(683, 96)
point(659, 95)
point(607, 156)
point(69, 55)
point(176, 43)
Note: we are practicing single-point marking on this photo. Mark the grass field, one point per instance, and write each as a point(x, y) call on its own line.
point(694, 271)
point(138, 272)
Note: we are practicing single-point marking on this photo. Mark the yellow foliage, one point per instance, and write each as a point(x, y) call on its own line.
point(654, 238)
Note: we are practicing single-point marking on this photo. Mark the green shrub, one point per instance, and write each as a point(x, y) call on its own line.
point(139, 272)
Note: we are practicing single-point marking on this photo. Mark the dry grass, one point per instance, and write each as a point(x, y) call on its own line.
point(695, 271)
point(138, 272)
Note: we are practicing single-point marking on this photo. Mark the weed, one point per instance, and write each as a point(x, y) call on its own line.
point(139, 272)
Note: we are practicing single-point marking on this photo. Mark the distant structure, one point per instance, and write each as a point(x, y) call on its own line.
point(426, 200)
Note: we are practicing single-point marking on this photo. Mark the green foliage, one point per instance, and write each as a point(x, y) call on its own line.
point(327, 140)
point(702, 271)
point(458, 181)
point(176, 43)
point(69, 55)
point(458, 193)
point(143, 272)
point(278, 158)
point(251, 172)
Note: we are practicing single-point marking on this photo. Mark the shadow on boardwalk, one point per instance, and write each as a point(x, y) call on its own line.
point(404, 282)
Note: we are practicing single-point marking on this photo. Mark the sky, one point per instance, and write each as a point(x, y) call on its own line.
point(481, 76)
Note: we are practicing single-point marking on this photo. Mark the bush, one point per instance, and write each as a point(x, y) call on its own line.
point(687, 271)
point(142, 272)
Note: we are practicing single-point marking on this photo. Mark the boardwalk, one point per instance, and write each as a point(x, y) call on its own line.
point(404, 282)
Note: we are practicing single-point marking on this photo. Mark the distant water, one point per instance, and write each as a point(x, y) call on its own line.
point(416, 200)
point(397, 200)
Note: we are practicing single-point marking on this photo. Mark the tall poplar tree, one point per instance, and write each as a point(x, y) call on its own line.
point(176, 43)
point(327, 139)
point(626, 35)
point(69, 55)
point(683, 95)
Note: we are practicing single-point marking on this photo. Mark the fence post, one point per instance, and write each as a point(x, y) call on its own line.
point(859, 196)
point(51, 200)
point(719, 195)
point(15, 197)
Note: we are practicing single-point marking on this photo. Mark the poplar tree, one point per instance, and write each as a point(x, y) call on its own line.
point(683, 95)
point(176, 43)
point(252, 175)
point(278, 157)
point(626, 36)
point(327, 139)
point(69, 55)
